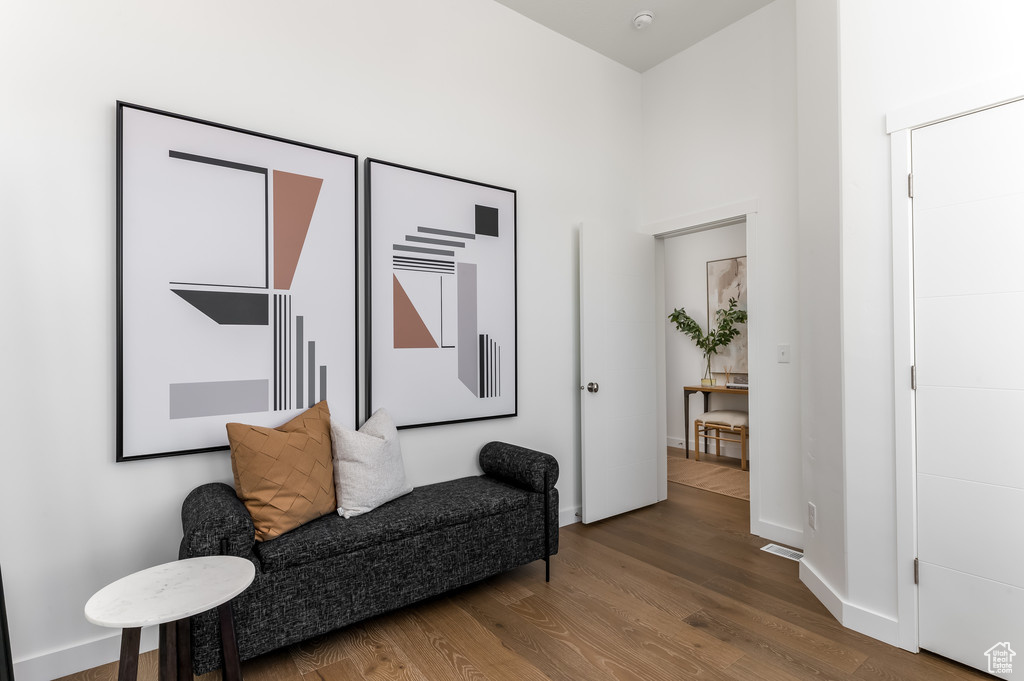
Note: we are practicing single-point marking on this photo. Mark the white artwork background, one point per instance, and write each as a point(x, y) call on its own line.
point(421, 385)
point(194, 222)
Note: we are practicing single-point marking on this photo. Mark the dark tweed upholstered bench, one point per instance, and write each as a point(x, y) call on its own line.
point(334, 571)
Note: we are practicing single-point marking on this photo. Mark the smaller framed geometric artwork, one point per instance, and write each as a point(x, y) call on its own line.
point(441, 296)
point(236, 281)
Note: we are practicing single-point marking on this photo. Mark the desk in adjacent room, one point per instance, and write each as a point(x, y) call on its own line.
point(706, 390)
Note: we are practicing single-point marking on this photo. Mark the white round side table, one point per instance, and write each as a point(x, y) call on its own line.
point(169, 595)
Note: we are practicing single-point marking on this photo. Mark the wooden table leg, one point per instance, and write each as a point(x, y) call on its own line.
point(707, 408)
point(168, 670)
point(128, 667)
point(686, 422)
point(232, 664)
point(184, 649)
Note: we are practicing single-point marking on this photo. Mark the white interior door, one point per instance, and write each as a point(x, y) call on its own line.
point(617, 367)
point(968, 213)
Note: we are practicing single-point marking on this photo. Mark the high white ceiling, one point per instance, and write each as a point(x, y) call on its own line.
point(606, 26)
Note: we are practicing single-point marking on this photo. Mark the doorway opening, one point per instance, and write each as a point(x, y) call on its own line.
point(705, 266)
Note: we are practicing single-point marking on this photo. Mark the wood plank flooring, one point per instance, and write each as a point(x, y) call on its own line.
point(678, 590)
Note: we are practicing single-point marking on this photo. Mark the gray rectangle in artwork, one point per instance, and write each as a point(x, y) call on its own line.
point(288, 353)
point(299, 348)
point(445, 232)
point(466, 337)
point(437, 242)
point(277, 351)
point(216, 398)
point(323, 382)
point(312, 373)
point(417, 249)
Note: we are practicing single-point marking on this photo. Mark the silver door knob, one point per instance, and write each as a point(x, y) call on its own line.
point(593, 387)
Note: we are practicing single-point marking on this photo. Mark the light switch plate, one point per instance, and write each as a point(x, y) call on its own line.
point(783, 354)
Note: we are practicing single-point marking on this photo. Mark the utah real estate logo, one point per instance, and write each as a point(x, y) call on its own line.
point(1000, 658)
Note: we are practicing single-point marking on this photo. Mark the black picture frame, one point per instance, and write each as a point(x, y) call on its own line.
point(420, 223)
point(6, 656)
point(237, 284)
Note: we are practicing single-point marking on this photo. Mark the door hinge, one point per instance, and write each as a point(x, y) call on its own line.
point(910, 185)
point(917, 570)
point(913, 377)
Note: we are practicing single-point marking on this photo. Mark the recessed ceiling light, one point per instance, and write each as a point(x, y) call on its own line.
point(643, 19)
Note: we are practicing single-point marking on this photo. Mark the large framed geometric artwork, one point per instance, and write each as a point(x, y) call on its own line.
point(727, 278)
point(236, 282)
point(441, 296)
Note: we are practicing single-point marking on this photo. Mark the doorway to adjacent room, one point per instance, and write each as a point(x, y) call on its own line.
point(704, 267)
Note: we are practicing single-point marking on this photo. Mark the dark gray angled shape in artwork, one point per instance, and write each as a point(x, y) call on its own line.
point(486, 221)
point(445, 232)
point(217, 398)
point(230, 307)
point(417, 249)
point(216, 162)
point(438, 242)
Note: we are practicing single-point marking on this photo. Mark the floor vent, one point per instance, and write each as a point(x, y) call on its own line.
point(783, 551)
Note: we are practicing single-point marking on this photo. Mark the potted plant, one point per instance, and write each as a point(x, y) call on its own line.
point(716, 338)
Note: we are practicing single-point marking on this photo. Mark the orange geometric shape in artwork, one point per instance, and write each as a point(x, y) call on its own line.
point(295, 199)
point(410, 330)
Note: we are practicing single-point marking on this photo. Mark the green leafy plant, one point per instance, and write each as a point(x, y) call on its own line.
point(716, 338)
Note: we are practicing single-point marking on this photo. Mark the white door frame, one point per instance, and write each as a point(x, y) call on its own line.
point(746, 210)
point(899, 125)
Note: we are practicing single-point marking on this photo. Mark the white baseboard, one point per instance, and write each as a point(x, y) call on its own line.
point(568, 516)
point(58, 663)
point(850, 615)
point(821, 589)
point(777, 533)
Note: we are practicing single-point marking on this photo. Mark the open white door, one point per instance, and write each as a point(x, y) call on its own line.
point(617, 370)
point(968, 198)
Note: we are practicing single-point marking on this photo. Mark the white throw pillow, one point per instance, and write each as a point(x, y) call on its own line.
point(368, 467)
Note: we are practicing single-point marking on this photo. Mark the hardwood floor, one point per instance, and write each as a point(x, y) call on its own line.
point(724, 461)
point(678, 590)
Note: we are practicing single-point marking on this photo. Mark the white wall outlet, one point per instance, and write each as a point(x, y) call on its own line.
point(812, 516)
point(783, 354)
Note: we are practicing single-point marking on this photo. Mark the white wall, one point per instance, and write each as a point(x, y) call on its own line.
point(720, 129)
point(458, 86)
point(686, 286)
point(823, 568)
point(894, 54)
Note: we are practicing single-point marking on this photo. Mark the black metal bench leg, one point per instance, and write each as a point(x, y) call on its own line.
point(547, 530)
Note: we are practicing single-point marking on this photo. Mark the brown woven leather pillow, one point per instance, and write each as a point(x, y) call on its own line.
point(284, 475)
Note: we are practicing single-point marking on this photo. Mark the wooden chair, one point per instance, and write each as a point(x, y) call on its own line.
point(734, 422)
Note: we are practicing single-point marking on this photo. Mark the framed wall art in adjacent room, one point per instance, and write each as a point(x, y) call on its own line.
point(236, 281)
point(441, 296)
point(727, 278)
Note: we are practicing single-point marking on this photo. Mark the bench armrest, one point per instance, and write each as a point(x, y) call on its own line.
point(524, 467)
point(212, 513)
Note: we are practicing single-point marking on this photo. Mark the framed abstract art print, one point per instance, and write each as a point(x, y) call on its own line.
point(727, 278)
point(236, 282)
point(441, 296)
